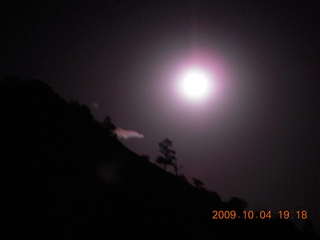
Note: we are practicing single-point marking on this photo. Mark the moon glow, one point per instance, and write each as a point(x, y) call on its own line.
point(195, 84)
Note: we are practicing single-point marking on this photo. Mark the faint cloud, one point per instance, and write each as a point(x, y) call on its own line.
point(126, 134)
point(95, 105)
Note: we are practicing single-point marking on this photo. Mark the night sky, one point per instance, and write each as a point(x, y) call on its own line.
point(256, 137)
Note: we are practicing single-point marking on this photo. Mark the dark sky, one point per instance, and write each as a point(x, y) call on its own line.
point(258, 140)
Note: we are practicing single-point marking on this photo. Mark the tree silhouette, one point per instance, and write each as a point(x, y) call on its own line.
point(237, 204)
point(197, 183)
point(168, 158)
point(162, 161)
point(109, 126)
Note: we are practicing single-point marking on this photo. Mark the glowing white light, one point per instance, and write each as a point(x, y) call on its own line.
point(195, 84)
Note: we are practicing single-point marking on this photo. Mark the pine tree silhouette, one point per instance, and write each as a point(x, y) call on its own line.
point(168, 158)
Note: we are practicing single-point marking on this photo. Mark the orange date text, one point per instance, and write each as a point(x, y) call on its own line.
point(259, 214)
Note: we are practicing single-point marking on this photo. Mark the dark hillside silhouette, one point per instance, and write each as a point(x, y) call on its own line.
point(64, 176)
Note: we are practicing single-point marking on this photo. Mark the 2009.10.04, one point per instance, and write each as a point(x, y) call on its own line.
point(245, 215)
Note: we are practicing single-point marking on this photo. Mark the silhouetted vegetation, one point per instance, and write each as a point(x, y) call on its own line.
point(63, 176)
point(168, 155)
point(109, 126)
point(197, 183)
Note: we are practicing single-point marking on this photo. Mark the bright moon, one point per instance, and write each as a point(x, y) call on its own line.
point(195, 84)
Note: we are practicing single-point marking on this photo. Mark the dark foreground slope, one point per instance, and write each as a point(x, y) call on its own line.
point(64, 177)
